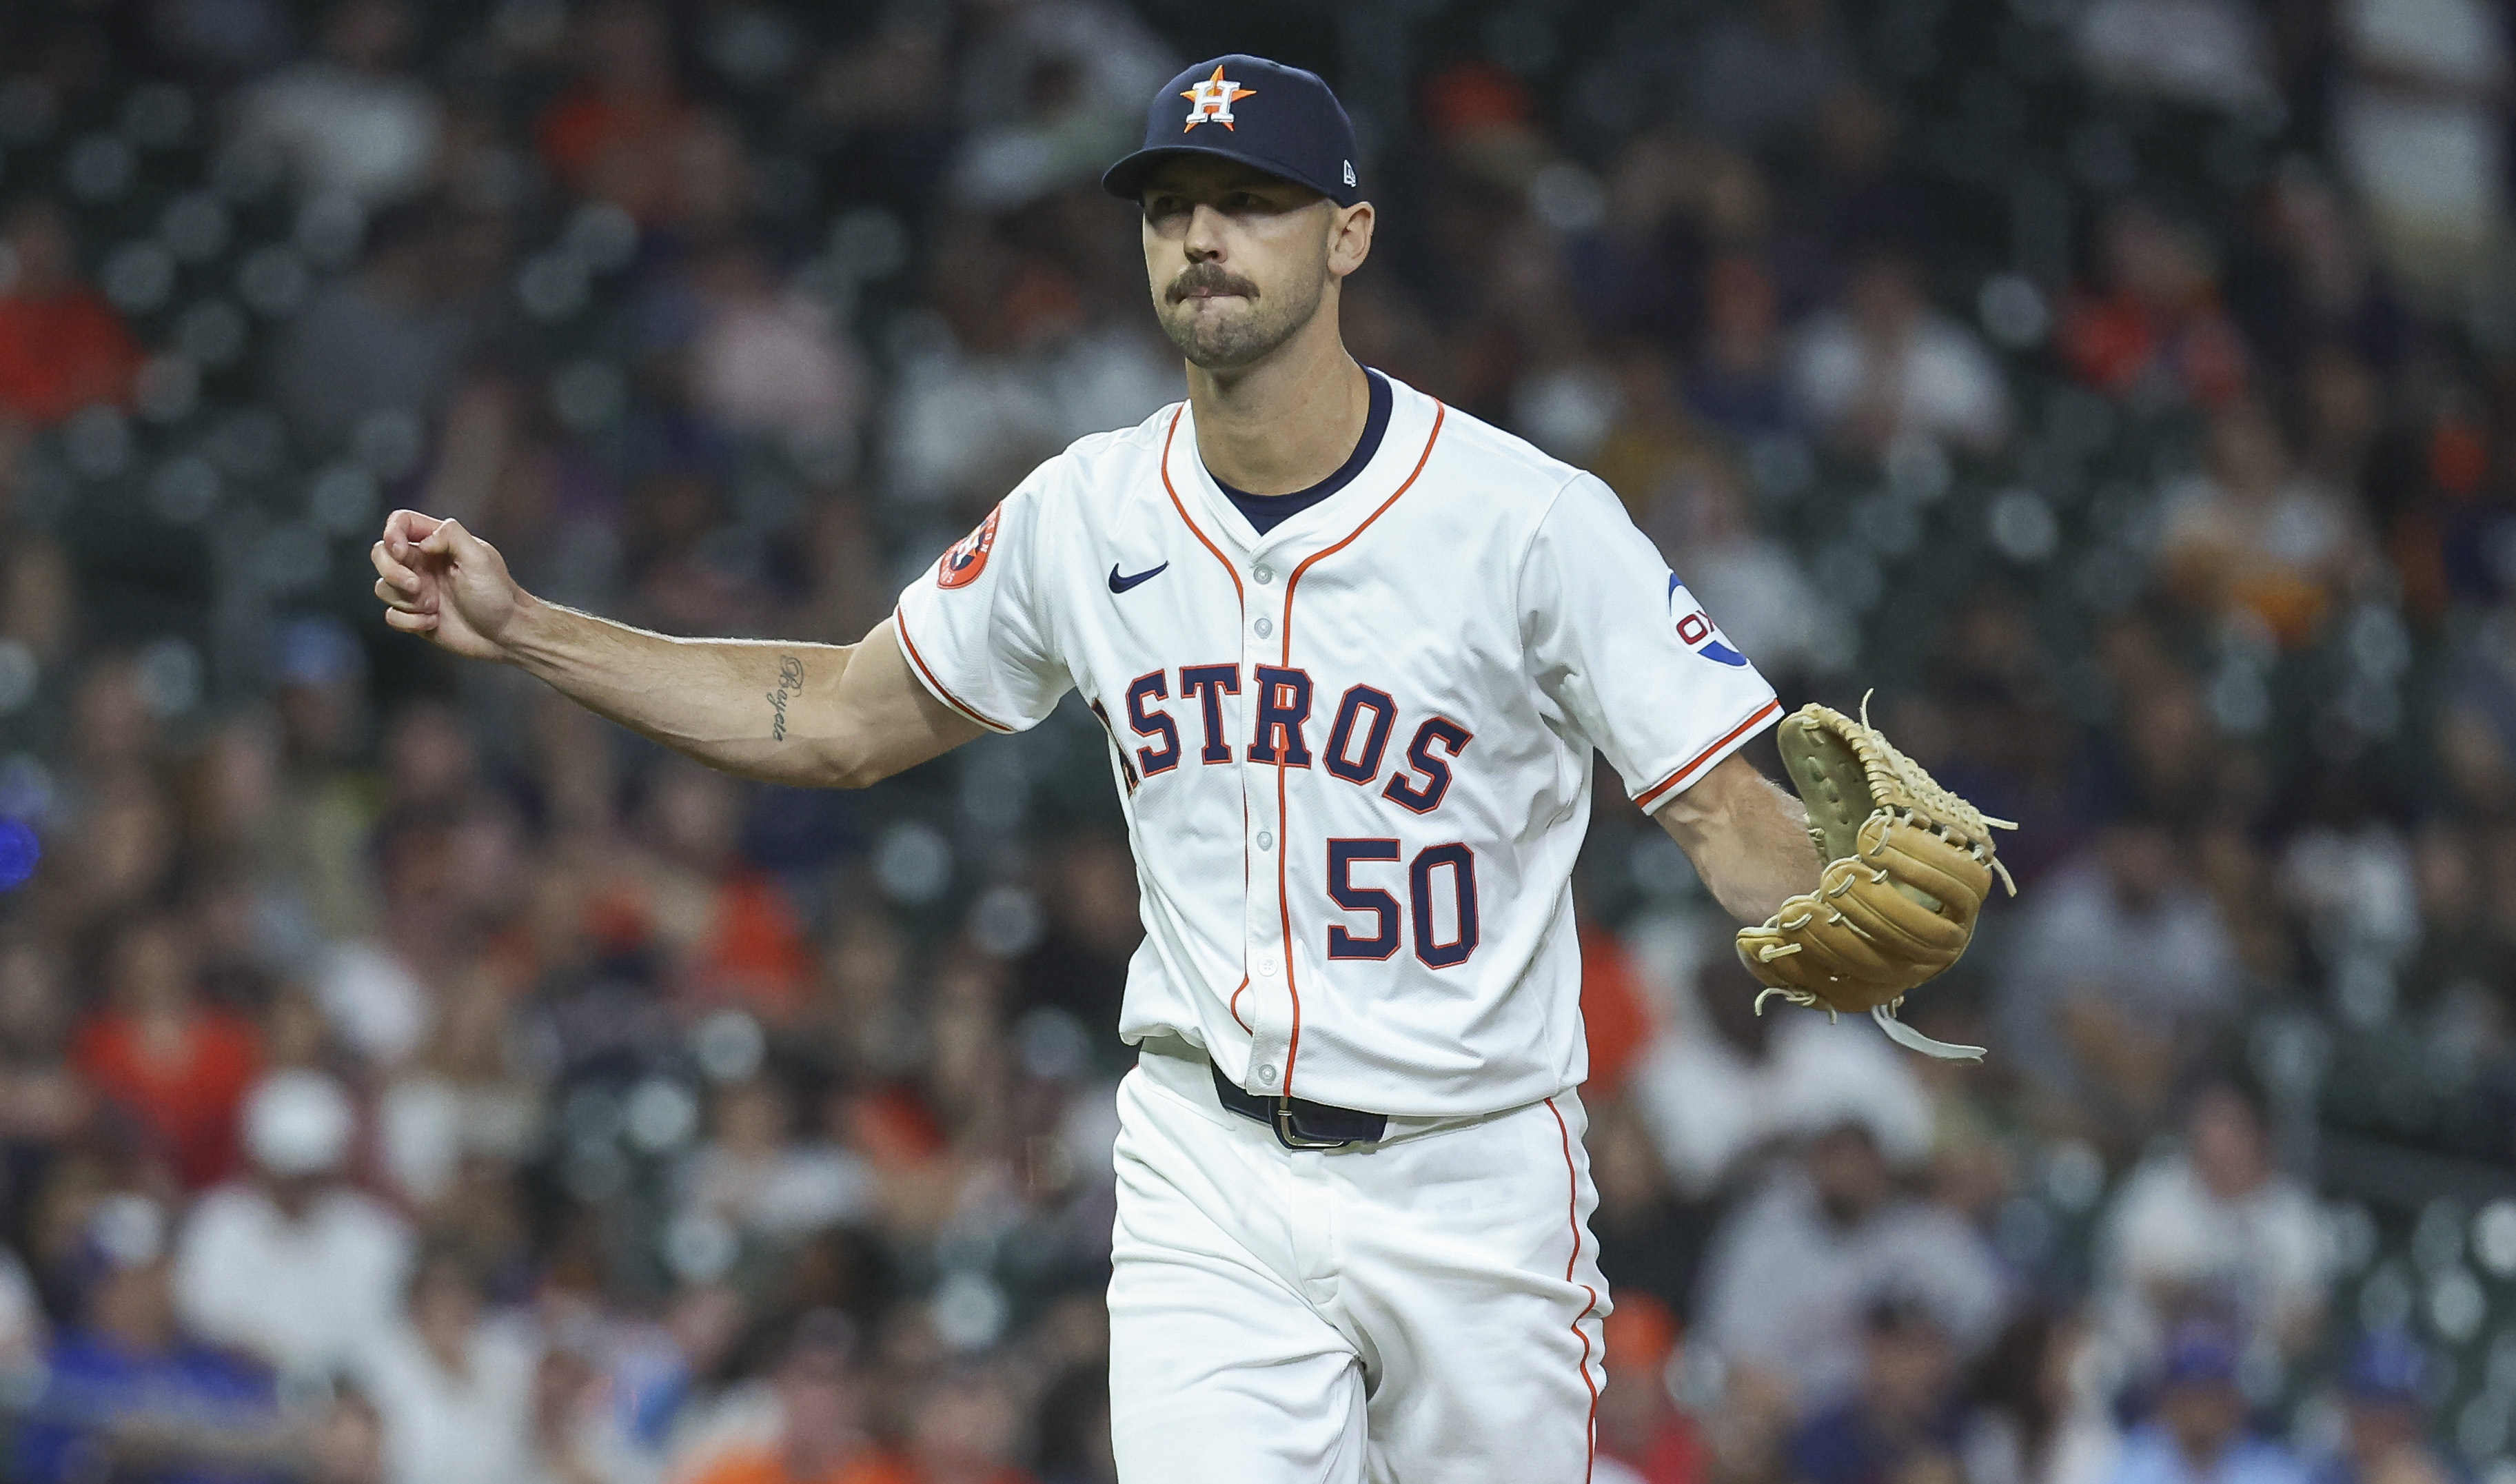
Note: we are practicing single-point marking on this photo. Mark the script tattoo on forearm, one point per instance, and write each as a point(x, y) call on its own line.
point(790, 680)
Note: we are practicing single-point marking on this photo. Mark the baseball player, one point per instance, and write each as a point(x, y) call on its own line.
point(1354, 650)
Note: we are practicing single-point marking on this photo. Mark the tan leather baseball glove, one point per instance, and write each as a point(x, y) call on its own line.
point(1907, 867)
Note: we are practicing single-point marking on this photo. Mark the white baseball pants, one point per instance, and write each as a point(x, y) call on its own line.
point(1421, 1311)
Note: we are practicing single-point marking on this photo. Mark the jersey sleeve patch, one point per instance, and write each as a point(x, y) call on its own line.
point(976, 635)
point(1695, 628)
point(961, 566)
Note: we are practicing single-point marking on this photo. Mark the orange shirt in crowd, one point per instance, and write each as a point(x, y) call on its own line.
point(1615, 1013)
point(1640, 1424)
point(757, 953)
point(187, 1100)
point(60, 353)
point(2115, 343)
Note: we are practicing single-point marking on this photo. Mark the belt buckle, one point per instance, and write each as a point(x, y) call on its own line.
point(1291, 1138)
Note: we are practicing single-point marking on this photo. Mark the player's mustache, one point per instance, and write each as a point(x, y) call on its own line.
point(1207, 278)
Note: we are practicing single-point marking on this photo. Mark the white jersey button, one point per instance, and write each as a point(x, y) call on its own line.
point(1267, 966)
point(1267, 1075)
point(1264, 574)
point(1264, 626)
point(1266, 841)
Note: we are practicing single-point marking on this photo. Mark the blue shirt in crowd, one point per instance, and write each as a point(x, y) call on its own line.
point(2150, 1457)
point(95, 1384)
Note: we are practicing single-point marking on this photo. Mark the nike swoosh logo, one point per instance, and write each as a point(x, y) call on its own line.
point(1119, 584)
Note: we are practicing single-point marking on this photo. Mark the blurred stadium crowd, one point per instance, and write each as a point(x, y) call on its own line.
point(406, 1077)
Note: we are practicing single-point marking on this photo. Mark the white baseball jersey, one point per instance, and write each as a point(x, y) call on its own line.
point(1355, 751)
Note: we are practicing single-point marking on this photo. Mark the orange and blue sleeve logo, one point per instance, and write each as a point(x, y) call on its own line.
point(968, 556)
point(1695, 628)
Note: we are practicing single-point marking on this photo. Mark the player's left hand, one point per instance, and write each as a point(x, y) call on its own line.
point(1909, 865)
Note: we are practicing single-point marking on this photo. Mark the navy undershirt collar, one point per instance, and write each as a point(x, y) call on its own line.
point(1268, 511)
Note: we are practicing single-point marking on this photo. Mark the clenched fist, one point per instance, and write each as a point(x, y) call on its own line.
point(440, 581)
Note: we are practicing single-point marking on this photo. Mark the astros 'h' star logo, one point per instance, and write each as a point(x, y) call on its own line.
point(1210, 100)
point(960, 567)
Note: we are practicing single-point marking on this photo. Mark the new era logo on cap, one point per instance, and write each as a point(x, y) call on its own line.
point(1279, 120)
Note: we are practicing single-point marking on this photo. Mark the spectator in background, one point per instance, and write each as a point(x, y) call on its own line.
point(2246, 536)
point(42, 1100)
point(61, 345)
point(1079, 965)
point(2419, 126)
point(730, 932)
point(1648, 1238)
point(1640, 1424)
point(1625, 419)
point(624, 134)
point(348, 1442)
point(2310, 278)
point(312, 844)
point(291, 1264)
point(121, 864)
point(1718, 1084)
point(1617, 1011)
point(756, 1177)
point(452, 1389)
point(2121, 971)
point(2042, 1407)
point(2198, 1433)
point(2208, 52)
point(1792, 1271)
point(1859, 185)
point(2466, 957)
point(177, 1067)
point(1739, 383)
point(1050, 94)
point(1761, 74)
point(2156, 331)
point(2385, 1387)
point(2215, 1228)
point(768, 360)
point(379, 351)
point(819, 1435)
point(1074, 1429)
point(351, 124)
point(39, 607)
point(2477, 721)
point(464, 1099)
point(967, 1431)
point(1885, 365)
point(127, 1393)
point(1902, 1423)
point(25, 1330)
point(1021, 374)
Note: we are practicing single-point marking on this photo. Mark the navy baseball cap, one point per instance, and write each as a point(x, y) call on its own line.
point(1277, 118)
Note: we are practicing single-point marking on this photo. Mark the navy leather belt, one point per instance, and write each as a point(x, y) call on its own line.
point(1298, 1122)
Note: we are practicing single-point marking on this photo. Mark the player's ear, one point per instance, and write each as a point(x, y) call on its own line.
point(1349, 236)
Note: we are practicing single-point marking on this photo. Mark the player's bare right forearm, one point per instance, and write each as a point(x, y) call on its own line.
point(763, 709)
point(814, 716)
point(1749, 840)
point(808, 715)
